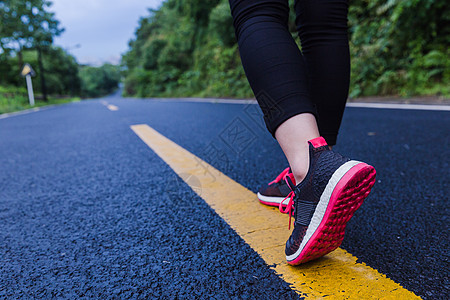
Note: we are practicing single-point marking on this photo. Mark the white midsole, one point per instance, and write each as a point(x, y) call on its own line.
point(322, 205)
point(275, 200)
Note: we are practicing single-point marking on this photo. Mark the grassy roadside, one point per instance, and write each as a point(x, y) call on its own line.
point(8, 106)
point(14, 99)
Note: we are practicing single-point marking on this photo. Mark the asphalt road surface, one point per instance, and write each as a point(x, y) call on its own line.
point(88, 210)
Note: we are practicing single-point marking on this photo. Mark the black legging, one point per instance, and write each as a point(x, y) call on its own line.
point(285, 81)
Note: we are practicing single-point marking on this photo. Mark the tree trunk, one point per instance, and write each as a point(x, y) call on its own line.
point(41, 74)
point(20, 57)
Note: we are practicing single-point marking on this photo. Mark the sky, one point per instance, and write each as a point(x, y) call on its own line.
point(98, 31)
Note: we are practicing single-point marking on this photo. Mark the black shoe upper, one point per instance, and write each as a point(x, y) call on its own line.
point(323, 163)
point(276, 189)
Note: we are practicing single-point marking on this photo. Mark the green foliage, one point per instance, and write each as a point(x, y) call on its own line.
point(99, 81)
point(62, 72)
point(9, 70)
point(27, 29)
point(152, 51)
point(399, 47)
point(12, 98)
point(188, 48)
point(221, 24)
point(61, 69)
point(27, 24)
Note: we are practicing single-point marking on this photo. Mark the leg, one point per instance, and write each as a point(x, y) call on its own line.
point(322, 27)
point(326, 196)
point(277, 74)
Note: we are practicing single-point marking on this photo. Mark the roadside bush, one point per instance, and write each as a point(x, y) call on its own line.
point(188, 48)
point(12, 98)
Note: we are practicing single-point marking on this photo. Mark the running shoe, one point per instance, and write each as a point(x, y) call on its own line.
point(333, 189)
point(277, 191)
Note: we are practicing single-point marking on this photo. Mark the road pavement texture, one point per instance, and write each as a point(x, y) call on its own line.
point(88, 210)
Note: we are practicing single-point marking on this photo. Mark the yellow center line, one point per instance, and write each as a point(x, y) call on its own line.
point(336, 275)
point(112, 107)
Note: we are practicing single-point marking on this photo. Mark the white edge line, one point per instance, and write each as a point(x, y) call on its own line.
point(400, 106)
point(252, 101)
point(24, 112)
point(350, 104)
point(204, 100)
point(34, 109)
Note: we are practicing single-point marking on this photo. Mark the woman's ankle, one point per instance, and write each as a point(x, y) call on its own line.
point(299, 173)
point(293, 136)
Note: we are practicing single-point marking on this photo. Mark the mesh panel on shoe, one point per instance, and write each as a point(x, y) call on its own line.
point(295, 239)
point(271, 190)
point(323, 164)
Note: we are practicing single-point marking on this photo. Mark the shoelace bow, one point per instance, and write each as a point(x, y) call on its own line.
point(290, 206)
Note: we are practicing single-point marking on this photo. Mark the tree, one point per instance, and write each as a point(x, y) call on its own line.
point(187, 47)
point(62, 70)
point(27, 24)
